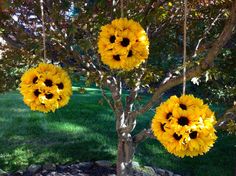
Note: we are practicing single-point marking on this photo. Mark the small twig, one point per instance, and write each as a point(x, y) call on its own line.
point(107, 98)
point(150, 7)
point(206, 31)
point(166, 23)
point(185, 45)
point(44, 31)
point(121, 8)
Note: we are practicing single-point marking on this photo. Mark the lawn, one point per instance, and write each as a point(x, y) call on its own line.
point(85, 131)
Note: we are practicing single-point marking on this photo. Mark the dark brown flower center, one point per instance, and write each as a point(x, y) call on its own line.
point(183, 121)
point(36, 92)
point(183, 106)
point(177, 137)
point(49, 96)
point(193, 135)
point(125, 42)
point(35, 79)
point(112, 39)
point(162, 127)
point(48, 82)
point(130, 54)
point(60, 86)
point(116, 57)
point(168, 115)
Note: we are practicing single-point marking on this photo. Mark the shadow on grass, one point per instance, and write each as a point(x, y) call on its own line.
point(219, 161)
point(84, 130)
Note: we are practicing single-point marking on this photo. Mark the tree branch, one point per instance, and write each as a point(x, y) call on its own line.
point(130, 121)
point(115, 87)
point(133, 94)
point(143, 135)
point(12, 43)
point(229, 114)
point(199, 69)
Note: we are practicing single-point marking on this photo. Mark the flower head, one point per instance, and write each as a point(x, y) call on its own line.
point(123, 44)
point(45, 88)
point(185, 126)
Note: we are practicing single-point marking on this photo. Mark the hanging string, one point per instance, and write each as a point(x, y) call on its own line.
point(121, 8)
point(185, 46)
point(44, 33)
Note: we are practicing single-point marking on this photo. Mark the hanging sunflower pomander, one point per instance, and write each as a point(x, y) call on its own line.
point(123, 44)
point(185, 126)
point(45, 88)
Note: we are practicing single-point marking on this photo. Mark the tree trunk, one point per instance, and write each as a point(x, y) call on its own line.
point(125, 155)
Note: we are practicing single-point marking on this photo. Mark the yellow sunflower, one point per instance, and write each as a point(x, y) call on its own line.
point(162, 119)
point(123, 44)
point(185, 126)
point(31, 97)
point(199, 141)
point(46, 88)
point(158, 129)
point(113, 58)
point(29, 79)
point(173, 142)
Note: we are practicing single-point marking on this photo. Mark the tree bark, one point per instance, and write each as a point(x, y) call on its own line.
point(125, 150)
point(125, 155)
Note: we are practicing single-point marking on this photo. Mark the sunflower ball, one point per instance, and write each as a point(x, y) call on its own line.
point(45, 88)
point(123, 44)
point(184, 126)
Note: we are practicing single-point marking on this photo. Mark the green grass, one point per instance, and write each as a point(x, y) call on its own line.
point(84, 131)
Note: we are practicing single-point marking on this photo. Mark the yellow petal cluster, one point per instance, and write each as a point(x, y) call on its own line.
point(123, 44)
point(184, 126)
point(45, 88)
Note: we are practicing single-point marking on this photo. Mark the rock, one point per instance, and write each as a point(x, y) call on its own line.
point(101, 167)
point(135, 164)
point(85, 165)
point(149, 170)
point(3, 173)
point(83, 174)
point(44, 172)
point(52, 173)
point(49, 167)
point(160, 171)
point(169, 173)
point(18, 173)
point(75, 172)
point(33, 169)
point(61, 168)
point(103, 163)
point(38, 174)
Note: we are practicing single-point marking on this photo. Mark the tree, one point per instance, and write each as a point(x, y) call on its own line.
point(72, 29)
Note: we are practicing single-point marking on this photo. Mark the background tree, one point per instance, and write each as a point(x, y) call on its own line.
point(71, 39)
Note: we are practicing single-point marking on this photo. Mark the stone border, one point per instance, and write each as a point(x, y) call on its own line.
point(97, 168)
